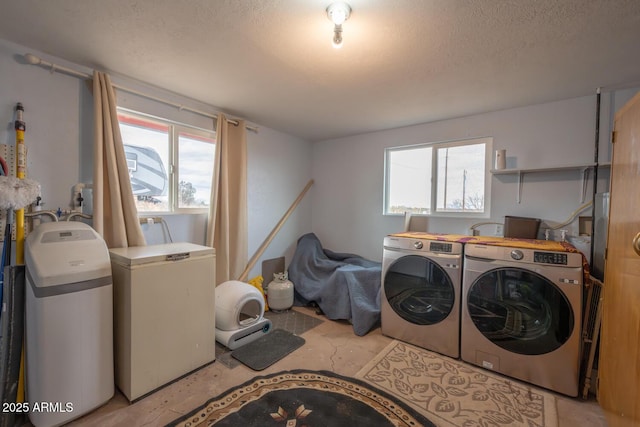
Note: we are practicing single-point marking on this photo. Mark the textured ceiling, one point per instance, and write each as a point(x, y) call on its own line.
point(403, 61)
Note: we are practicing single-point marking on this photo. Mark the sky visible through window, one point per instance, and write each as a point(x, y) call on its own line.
point(196, 167)
point(460, 178)
point(410, 180)
point(196, 162)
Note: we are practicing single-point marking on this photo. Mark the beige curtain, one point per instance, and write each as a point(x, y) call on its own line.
point(227, 221)
point(115, 216)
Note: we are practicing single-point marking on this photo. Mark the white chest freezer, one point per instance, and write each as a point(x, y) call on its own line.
point(164, 314)
point(69, 322)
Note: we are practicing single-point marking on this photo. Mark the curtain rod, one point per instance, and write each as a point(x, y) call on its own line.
point(35, 60)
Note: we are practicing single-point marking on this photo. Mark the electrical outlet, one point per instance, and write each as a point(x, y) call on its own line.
point(499, 230)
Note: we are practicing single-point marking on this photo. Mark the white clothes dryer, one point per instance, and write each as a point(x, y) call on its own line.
point(521, 313)
point(421, 288)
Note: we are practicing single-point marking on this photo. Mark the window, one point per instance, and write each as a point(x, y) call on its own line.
point(170, 164)
point(446, 178)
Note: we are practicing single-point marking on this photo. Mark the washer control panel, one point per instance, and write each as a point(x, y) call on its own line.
point(556, 258)
point(417, 244)
point(524, 255)
point(440, 247)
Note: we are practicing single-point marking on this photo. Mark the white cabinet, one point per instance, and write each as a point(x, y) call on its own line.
point(164, 314)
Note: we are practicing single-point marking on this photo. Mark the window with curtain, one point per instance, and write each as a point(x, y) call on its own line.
point(170, 164)
point(444, 179)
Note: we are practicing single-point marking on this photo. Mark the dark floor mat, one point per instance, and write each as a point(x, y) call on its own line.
point(268, 349)
point(293, 321)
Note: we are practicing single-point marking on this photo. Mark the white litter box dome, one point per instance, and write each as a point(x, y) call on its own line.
point(238, 305)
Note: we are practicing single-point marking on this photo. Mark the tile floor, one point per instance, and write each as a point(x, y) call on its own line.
point(330, 345)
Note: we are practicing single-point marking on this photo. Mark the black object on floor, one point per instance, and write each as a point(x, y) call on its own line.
point(268, 349)
point(301, 397)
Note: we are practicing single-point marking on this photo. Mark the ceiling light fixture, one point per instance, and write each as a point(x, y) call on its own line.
point(338, 13)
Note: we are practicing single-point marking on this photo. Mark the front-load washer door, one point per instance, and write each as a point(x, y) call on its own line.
point(419, 290)
point(520, 311)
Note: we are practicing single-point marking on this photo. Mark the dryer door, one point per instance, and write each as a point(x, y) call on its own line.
point(520, 311)
point(419, 290)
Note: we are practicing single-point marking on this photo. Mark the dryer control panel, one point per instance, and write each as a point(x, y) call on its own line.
point(440, 247)
point(557, 258)
point(435, 247)
point(523, 255)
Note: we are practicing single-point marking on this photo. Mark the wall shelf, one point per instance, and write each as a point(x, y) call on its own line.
point(549, 169)
point(585, 168)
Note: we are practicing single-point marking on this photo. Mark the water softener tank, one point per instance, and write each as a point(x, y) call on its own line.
point(69, 322)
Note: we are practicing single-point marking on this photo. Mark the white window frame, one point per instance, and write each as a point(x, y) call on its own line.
point(173, 179)
point(433, 212)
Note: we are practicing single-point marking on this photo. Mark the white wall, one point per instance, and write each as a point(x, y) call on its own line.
point(279, 169)
point(344, 206)
point(58, 122)
point(59, 139)
point(349, 172)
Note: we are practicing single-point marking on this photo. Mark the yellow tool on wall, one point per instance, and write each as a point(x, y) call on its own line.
point(21, 172)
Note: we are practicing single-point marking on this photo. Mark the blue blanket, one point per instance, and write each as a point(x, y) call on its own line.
point(345, 286)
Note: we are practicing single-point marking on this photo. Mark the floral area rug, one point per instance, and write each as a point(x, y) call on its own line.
point(304, 398)
point(453, 393)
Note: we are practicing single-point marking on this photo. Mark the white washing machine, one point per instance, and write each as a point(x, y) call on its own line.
point(421, 287)
point(521, 313)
